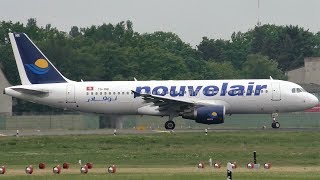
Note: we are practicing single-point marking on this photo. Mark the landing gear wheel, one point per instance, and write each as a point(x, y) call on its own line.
point(275, 125)
point(170, 125)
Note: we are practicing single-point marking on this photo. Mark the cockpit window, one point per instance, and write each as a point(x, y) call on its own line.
point(298, 90)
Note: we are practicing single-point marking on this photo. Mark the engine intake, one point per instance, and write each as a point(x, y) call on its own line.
point(206, 114)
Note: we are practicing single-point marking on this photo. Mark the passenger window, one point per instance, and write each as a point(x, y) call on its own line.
point(114, 93)
point(266, 91)
point(87, 93)
point(127, 92)
point(294, 90)
point(100, 93)
point(109, 93)
point(122, 93)
point(118, 93)
point(96, 93)
point(261, 91)
point(91, 93)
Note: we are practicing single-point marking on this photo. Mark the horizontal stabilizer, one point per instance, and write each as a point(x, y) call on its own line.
point(31, 91)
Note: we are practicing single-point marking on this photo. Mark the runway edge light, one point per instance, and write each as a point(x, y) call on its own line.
point(56, 169)
point(2, 169)
point(112, 169)
point(65, 165)
point(229, 171)
point(200, 165)
point(84, 169)
point(29, 169)
point(42, 166)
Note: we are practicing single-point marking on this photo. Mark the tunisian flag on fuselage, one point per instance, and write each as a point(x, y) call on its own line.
point(89, 88)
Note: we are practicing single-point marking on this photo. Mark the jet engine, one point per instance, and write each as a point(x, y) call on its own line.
point(213, 114)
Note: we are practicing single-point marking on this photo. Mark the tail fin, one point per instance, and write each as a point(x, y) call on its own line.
point(33, 66)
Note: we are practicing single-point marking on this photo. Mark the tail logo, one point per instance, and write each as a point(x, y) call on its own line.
point(41, 66)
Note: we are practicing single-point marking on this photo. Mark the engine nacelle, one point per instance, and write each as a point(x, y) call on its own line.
point(206, 114)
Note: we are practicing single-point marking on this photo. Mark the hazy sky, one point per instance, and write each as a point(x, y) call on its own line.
point(190, 19)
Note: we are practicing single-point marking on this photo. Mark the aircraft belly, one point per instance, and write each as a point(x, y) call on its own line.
point(246, 104)
point(108, 108)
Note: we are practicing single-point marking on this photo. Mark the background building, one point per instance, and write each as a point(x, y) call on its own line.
point(5, 100)
point(307, 76)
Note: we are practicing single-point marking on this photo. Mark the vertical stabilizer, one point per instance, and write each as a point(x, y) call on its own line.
point(33, 66)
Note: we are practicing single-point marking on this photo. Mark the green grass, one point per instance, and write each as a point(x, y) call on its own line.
point(202, 176)
point(167, 150)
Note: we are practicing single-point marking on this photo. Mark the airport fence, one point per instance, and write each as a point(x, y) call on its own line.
point(79, 121)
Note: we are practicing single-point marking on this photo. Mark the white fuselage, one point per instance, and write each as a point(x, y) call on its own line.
point(117, 97)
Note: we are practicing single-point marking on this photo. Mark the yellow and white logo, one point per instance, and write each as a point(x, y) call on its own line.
point(40, 66)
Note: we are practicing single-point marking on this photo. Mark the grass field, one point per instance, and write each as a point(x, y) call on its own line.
point(294, 155)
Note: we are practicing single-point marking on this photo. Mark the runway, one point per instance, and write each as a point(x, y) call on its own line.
point(59, 132)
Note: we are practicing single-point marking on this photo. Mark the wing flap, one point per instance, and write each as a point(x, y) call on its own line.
point(165, 103)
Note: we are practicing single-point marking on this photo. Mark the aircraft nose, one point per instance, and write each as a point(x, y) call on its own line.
point(312, 100)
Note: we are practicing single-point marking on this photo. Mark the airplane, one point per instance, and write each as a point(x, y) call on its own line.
point(205, 101)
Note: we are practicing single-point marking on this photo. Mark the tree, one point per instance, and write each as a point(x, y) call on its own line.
point(288, 45)
point(32, 22)
point(234, 51)
point(258, 66)
point(213, 49)
point(316, 50)
point(74, 32)
point(296, 43)
point(266, 40)
point(224, 70)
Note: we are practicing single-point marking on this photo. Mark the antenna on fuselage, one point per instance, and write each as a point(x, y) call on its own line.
point(135, 79)
point(271, 78)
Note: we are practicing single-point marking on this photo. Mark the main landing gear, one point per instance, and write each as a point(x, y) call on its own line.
point(170, 125)
point(275, 124)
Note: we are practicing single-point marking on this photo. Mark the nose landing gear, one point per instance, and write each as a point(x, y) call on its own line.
point(275, 124)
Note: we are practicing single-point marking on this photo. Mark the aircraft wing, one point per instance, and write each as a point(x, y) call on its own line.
point(170, 103)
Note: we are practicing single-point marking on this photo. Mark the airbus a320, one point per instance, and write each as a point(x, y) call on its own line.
point(205, 101)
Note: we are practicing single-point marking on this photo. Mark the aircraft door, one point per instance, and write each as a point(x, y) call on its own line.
point(276, 93)
point(70, 94)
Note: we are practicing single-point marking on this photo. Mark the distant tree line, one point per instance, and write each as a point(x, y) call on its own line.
point(116, 52)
